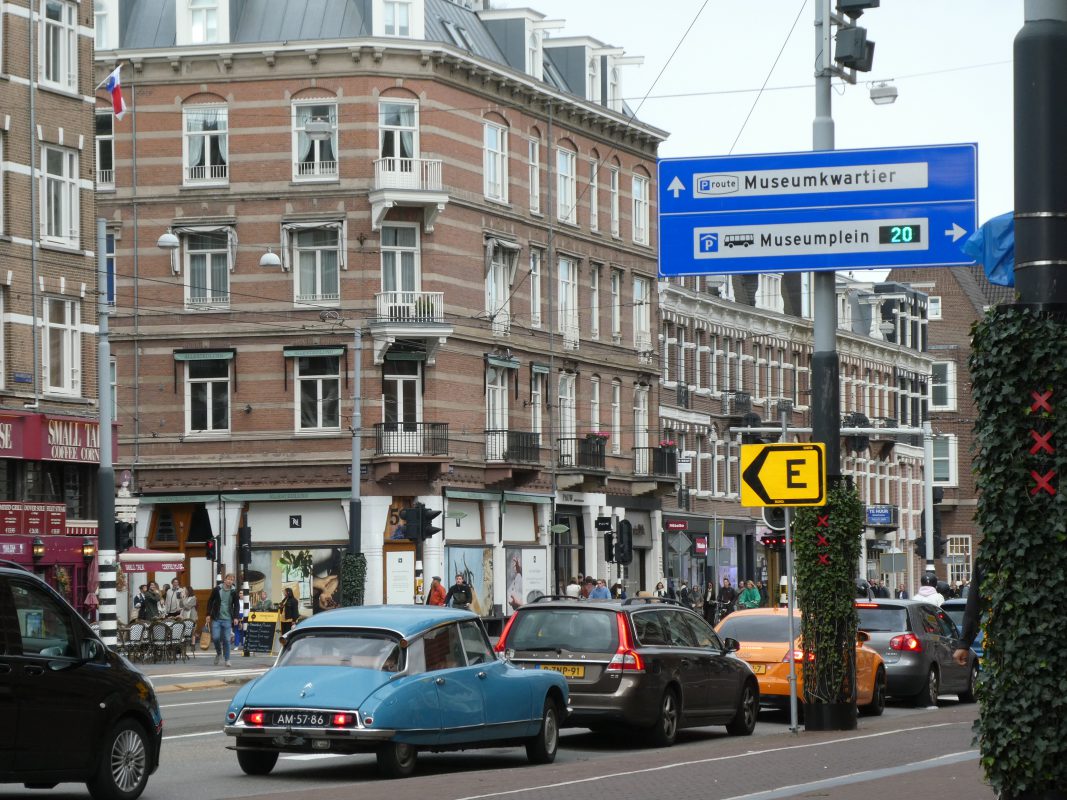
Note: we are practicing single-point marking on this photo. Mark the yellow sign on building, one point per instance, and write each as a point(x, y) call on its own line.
point(783, 474)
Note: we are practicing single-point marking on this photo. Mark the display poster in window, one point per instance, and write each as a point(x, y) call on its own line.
point(399, 576)
point(527, 576)
point(312, 573)
point(475, 564)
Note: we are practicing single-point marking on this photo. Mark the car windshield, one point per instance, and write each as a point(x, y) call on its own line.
point(759, 628)
point(362, 650)
point(955, 613)
point(546, 629)
point(883, 618)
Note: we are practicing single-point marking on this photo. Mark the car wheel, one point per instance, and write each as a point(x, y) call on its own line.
point(744, 721)
point(877, 704)
point(665, 729)
point(124, 762)
point(968, 694)
point(541, 748)
point(396, 760)
point(257, 762)
point(927, 696)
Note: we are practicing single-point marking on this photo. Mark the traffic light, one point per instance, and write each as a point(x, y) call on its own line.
point(426, 526)
point(624, 542)
point(418, 523)
point(773, 541)
point(244, 545)
point(854, 50)
point(211, 549)
point(855, 8)
point(123, 536)
point(609, 547)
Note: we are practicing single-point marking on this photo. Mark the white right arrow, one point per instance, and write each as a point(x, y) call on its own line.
point(676, 186)
point(955, 232)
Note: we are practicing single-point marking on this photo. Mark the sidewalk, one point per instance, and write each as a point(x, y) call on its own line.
point(200, 672)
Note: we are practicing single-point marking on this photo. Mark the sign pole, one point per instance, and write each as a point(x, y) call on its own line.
point(790, 604)
point(105, 476)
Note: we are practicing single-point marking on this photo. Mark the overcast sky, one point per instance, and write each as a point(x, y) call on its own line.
point(950, 60)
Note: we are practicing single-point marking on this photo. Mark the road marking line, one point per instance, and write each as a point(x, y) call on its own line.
point(217, 673)
point(859, 777)
point(191, 735)
point(314, 756)
point(195, 703)
point(712, 760)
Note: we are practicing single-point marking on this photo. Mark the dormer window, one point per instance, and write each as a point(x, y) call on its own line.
point(592, 80)
point(398, 18)
point(204, 15)
point(534, 60)
point(614, 90)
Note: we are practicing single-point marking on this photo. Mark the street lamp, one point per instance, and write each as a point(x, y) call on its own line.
point(168, 241)
point(88, 548)
point(883, 93)
point(270, 259)
point(38, 548)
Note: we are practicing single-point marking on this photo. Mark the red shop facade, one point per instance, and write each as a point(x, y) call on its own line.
point(48, 499)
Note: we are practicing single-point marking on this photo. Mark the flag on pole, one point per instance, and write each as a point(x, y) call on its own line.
point(114, 86)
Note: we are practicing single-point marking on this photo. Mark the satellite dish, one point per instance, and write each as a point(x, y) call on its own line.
point(774, 517)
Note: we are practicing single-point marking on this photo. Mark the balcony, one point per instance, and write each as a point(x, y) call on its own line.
point(419, 448)
point(207, 173)
point(409, 182)
point(655, 470)
point(408, 316)
point(736, 404)
point(512, 457)
point(315, 169)
point(105, 179)
point(582, 463)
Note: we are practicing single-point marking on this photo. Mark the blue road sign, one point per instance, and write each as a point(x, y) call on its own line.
point(823, 210)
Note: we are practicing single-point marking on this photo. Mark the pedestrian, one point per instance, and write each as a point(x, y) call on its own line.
point(587, 587)
point(150, 604)
point(459, 594)
point(223, 611)
point(901, 593)
point(436, 595)
point(289, 609)
point(263, 603)
point(618, 592)
point(600, 591)
point(188, 612)
point(573, 589)
point(727, 598)
point(172, 604)
point(709, 602)
point(749, 598)
point(661, 590)
point(972, 616)
point(928, 591)
point(242, 618)
point(880, 589)
point(138, 601)
point(684, 596)
point(762, 589)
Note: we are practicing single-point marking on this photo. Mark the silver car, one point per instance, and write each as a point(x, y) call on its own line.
point(916, 641)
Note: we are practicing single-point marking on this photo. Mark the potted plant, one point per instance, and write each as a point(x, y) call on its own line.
point(601, 436)
point(668, 443)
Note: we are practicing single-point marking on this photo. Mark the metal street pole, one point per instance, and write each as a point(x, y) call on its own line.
point(928, 493)
point(790, 602)
point(355, 514)
point(105, 476)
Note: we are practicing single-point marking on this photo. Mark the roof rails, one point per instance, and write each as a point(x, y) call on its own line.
point(630, 601)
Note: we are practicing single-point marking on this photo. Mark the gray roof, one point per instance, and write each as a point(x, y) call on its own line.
point(979, 290)
point(285, 20)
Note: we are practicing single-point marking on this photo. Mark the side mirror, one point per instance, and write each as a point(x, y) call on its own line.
point(731, 645)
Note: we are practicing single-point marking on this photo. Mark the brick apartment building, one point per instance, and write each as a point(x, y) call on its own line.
point(470, 196)
point(49, 422)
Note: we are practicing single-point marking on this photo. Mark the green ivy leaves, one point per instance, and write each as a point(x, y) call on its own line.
point(353, 578)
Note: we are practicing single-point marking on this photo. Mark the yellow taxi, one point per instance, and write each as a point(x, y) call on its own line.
point(764, 637)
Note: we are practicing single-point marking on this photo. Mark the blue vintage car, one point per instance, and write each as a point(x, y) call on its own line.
point(393, 680)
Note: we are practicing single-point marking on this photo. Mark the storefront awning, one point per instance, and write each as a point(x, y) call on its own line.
point(138, 559)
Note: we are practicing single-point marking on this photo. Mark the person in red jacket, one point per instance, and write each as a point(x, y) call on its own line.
point(436, 595)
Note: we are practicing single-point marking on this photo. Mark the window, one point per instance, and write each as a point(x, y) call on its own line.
point(613, 199)
point(314, 140)
point(945, 461)
point(206, 145)
point(105, 150)
point(933, 309)
point(207, 257)
point(641, 416)
point(958, 552)
point(398, 134)
point(594, 191)
point(101, 25)
point(594, 302)
point(207, 396)
point(567, 420)
point(496, 412)
point(498, 284)
point(642, 315)
point(594, 404)
point(614, 90)
point(640, 213)
point(568, 302)
point(443, 648)
point(61, 359)
point(769, 293)
point(109, 261)
point(616, 417)
point(315, 253)
point(113, 382)
point(537, 404)
point(59, 44)
point(535, 288)
point(1, 154)
point(204, 15)
point(943, 386)
point(496, 162)
point(533, 160)
point(400, 270)
point(566, 185)
point(592, 80)
point(397, 17)
point(616, 304)
point(318, 387)
point(60, 196)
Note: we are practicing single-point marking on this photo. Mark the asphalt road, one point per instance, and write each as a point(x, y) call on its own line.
point(921, 747)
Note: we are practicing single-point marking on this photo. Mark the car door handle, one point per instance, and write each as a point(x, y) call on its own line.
point(482, 675)
point(32, 669)
point(439, 681)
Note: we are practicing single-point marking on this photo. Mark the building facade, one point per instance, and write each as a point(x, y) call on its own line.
point(428, 206)
point(49, 417)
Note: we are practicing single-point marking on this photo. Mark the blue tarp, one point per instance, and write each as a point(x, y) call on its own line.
point(993, 246)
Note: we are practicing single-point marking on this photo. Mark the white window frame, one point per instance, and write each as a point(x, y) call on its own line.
point(594, 403)
point(960, 568)
point(60, 196)
point(63, 336)
point(616, 417)
point(397, 132)
point(212, 384)
point(933, 307)
point(58, 64)
point(203, 21)
point(945, 450)
point(319, 381)
point(394, 23)
point(568, 302)
point(3, 172)
point(318, 252)
point(769, 292)
point(616, 305)
point(592, 79)
point(208, 173)
point(105, 145)
point(498, 288)
point(316, 168)
point(536, 261)
point(533, 160)
point(642, 318)
point(113, 383)
point(594, 194)
point(213, 297)
point(594, 301)
point(495, 162)
point(3, 338)
point(537, 405)
point(613, 199)
point(566, 185)
point(948, 386)
point(639, 193)
point(565, 398)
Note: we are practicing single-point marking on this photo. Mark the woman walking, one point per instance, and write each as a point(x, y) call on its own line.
point(290, 610)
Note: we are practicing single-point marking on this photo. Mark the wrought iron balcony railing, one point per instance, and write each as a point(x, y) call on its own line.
point(411, 438)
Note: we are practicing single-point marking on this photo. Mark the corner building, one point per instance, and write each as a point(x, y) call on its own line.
point(437, 188)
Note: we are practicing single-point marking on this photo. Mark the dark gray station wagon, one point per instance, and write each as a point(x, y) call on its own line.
point(645, 663)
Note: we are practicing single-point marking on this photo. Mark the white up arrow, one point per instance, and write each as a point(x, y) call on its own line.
point(676, 186)
point(955, 232)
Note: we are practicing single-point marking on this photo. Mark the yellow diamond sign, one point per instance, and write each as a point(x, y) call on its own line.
point(783, 474)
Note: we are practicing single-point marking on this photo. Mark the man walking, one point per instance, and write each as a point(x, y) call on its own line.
point(460, 594)
point(223, 609)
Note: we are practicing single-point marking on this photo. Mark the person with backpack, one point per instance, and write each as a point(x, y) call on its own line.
point(459, 594)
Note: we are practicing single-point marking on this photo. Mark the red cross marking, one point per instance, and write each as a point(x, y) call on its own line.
point(824, 558)
point(1041, 401)
point(1043, 482)
point(823, 520)
point(821, 540)
point(1041, 442)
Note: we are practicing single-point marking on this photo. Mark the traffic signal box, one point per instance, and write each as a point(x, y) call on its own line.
point(418, 523)
point(244, 545)
point(123, 536)
point(624, 542)
point(211, 549)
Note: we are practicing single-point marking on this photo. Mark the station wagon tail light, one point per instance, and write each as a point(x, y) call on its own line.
point(343, 720)
point(626, 659)
point(255, 718)
point(799, 655)
point(866, 605)
point(907, 642)
point(501, 645)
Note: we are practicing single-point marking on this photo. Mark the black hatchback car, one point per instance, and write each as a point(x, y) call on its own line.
point(646, 663)
point(72, 710)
